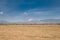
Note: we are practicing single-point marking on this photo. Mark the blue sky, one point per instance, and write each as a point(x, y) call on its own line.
point(29, 10)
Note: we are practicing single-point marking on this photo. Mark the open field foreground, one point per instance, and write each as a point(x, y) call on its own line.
point(29, 32)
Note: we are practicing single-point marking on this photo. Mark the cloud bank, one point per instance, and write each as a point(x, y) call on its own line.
point(1, 13)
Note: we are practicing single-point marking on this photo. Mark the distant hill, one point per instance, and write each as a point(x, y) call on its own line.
point(3, 22)
point(51, 21)
point(32, 22)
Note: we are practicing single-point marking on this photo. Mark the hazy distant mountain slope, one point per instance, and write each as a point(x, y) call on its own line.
point(3, 22)
point(32, 22)
point(51, 21)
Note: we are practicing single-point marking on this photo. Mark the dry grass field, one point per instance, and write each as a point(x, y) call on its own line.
point(29, 32)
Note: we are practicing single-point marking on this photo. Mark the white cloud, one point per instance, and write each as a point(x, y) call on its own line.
point(25, 13)
point(1, 13)
point(38, 12)
point(30, 19)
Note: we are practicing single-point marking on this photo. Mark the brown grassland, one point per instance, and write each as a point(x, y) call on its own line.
point(30, 32)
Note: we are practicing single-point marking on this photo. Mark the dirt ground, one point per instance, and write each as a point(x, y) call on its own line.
point(29, 32)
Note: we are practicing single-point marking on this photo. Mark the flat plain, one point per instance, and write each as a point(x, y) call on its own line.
point(30, 32)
